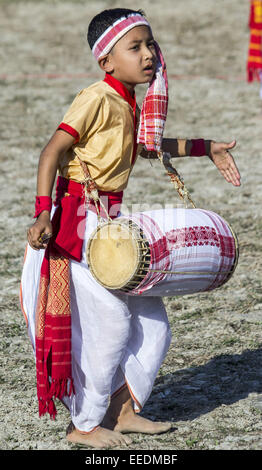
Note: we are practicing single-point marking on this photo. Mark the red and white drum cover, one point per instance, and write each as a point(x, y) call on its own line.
point(195, 250)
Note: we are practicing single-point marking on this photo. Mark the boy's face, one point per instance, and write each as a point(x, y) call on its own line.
point(133, 58)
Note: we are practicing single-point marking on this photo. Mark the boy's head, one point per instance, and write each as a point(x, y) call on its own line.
point(101, 22)
point(121, 41)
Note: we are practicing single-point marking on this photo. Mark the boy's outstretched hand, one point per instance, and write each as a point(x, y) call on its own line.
point(222, 158)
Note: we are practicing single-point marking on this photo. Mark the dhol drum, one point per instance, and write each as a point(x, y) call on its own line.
point(163, 252)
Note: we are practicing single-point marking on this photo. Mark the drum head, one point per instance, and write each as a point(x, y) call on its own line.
point(112, 255)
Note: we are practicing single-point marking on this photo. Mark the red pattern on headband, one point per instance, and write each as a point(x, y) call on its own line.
point(105, 43)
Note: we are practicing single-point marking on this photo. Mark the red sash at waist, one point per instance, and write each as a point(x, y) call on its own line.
point(69, 218)
point(109, 199)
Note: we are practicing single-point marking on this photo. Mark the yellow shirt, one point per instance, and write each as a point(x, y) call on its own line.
point(102, 121)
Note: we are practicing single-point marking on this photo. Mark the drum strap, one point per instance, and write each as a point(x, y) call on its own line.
point(176, 179)
point(91, 191)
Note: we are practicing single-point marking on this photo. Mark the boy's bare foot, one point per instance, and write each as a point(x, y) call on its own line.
point(100, 438)
point(135, 423)
point(121, 417)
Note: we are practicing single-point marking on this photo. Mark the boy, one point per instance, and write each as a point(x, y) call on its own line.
point(100, 352)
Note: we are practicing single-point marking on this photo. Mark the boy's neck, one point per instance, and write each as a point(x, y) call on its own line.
point(125, 90)
point(130, 88)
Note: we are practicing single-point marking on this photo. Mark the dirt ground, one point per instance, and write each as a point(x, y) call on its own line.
point(211, 380)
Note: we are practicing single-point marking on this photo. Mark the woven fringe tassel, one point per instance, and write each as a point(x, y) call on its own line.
point(52, 409)
point(61, 387)
point(47, 406)
point(58, 389)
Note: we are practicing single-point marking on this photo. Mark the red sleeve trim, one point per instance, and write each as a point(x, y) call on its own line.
point(65, 127)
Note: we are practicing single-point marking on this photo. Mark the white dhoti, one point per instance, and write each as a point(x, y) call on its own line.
point(116, 339)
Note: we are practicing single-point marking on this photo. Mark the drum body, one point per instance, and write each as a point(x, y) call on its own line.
point(163, 252)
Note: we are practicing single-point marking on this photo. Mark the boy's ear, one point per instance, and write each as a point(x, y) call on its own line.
point(105, 63)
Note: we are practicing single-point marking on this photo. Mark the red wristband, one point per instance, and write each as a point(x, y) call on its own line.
point(42, 203)
point(198, 148)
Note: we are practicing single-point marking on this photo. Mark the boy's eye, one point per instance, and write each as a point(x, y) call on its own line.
point(151, 45)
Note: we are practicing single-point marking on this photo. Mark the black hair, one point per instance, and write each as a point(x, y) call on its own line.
point(106, 18)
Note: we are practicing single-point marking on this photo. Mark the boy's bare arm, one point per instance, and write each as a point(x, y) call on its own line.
point(47, 169)
point(218, 152)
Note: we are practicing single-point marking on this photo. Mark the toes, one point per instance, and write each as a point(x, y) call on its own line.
point(127, 440)
point(168, 425)
point(107, 440)
point(122, 440)
point(164, 427)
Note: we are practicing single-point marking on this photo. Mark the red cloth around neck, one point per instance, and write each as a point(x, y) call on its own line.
point(125, 93)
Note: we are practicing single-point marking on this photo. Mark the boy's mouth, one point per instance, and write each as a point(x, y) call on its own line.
point(149, 68)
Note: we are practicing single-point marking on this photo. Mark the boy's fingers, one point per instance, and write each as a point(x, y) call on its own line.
point(231, 144)
point(31, 241)
point(45, 237)
point(38, 238)
point(232, 166)
point(235, 173)
point(231, 174)
point(231, 177)
point(29, 237)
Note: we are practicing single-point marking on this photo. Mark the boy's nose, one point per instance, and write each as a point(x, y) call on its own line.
point(148, 54)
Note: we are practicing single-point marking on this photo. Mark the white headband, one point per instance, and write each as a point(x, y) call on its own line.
point(115, 32)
